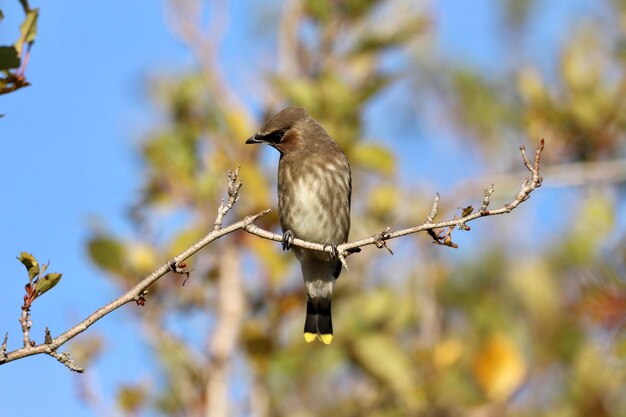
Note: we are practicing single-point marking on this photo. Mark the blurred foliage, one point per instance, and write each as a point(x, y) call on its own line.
point(501, 332)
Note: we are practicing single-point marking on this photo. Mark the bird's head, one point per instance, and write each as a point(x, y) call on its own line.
point(285, 130)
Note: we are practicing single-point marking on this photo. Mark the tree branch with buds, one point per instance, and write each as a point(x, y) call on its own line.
point(440, 232)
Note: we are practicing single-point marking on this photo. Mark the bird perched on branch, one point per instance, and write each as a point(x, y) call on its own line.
point(314, 191)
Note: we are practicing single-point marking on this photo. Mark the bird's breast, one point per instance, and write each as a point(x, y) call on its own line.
point(314, 198)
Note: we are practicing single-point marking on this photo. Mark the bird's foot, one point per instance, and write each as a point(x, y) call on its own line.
point(334, 254)
point(287, 239)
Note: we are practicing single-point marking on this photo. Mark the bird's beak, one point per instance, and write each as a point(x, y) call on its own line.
point(253, 139)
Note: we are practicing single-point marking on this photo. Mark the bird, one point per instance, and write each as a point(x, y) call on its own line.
point(314, 196)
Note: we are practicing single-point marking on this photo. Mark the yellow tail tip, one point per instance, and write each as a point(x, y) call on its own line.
point(309, 337)
point(326, 338)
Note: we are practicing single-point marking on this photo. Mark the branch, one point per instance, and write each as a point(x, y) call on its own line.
point(230, 310)
point(204, 41)
point(566, 175)
point(26, 324)
point(138, 292)
point(233, 195)
point(3, 348)
point(346, 249)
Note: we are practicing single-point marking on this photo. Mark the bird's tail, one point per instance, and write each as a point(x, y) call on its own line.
point(318, 323)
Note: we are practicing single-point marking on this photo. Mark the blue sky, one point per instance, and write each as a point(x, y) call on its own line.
point(67, 160)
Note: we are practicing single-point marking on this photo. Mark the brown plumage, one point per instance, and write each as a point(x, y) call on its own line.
point(314, 188)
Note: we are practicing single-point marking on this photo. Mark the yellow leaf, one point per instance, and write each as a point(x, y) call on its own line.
point(275, 262)
point(255, 186)
point(499, 367)
point(239, 123)
point(536, 289)
point(577, 68)
point(373, 156)
point(383, 199)
point(530, 85)
point(447, 352)
point(141, 257)
point(184, 239)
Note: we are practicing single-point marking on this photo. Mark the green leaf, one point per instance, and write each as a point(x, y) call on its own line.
point(374, 157)
point(46, 282)
point(620, 348)
point(8, 58)
point(466, 211)
point(383, 199)
point(382, 357)
point(28, 30)
point(356, 9)
point(1, 15)
point(320, 10)
point(31, 264)
point(299, 92)
point(131, 398)
point(107, 253)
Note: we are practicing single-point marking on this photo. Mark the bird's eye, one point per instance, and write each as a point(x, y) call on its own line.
point(276, 136)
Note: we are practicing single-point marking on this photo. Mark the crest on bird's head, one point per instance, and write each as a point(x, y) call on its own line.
point(285, 119)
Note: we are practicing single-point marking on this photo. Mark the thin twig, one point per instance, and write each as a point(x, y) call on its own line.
point(233, 195)
point(25, 6)
point(434, 210)
point(3, 348)
point(204, 41)
point(66, 360)
point(230, 310)
point(26, 323)
point(487, 195)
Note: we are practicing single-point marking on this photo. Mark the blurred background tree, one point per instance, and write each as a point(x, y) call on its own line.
point(525, 319)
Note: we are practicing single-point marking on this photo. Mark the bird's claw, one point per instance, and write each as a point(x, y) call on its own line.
point(334, 254)
point(287, 239)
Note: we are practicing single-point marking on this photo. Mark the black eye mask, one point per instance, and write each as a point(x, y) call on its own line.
point(275, 137)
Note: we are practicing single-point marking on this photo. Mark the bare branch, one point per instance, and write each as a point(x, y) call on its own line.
point(66, 360)
point(287, 47)
point(434, 210)
point(3, 348)
point(26, 324)
point(135, 294)
point(233, 196)
point(230, 311)
point(487, 196)
point(345, 249)
point(565, 175)
point(204, 41)
point(138, 293)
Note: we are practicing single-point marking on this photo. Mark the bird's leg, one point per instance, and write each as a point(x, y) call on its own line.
point(287, 239)
point(334, 254)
